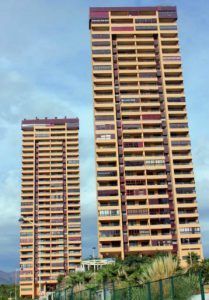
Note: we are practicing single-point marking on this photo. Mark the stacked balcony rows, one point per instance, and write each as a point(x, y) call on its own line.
point(51, 201)
point(144, 166)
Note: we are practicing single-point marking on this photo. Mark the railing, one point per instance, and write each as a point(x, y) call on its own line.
point(168, 15)
point(100, 36)
point(143, 21)
point(146, 27)
point(181, 287)
point(168, 27)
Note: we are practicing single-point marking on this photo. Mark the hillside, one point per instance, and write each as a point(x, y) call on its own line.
point(7, 277)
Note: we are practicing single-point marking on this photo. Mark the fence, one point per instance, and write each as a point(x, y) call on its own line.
point(181, 287)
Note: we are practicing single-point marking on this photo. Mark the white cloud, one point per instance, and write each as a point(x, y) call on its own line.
point(45, 71)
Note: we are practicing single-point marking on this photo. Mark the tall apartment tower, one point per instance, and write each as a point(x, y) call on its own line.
point(145, 183)
point(50, 236)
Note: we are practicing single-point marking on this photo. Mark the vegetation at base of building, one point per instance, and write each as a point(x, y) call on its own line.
point(135, 271)
point(8, 291)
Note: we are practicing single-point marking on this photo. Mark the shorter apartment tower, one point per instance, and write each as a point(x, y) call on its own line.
point(50, 234)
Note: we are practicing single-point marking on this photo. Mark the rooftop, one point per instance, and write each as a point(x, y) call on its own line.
point(103, 12)
point(51, 121)
point(131, 9)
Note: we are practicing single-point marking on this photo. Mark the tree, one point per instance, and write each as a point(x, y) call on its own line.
point(7, 291)
point(136, 260)
point(192, 259)
point(203, 268)
point(107, 273)
point(60, 278)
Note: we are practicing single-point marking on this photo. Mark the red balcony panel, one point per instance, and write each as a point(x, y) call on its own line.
point(99, 14)
point(135, 192)
point(138, 211)
point(26, 240)
point(151, 117)
point(74, 239)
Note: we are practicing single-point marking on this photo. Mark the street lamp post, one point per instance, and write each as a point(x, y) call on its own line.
point(93, 248)
point(93, 256)
point(16, 277)
point(26, 220)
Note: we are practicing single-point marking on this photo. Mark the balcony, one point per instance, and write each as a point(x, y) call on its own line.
point(168, 27)
point(101, 52)
point(100, 44)
point(189, 230)
point(104, 213)
point(179, 125)
point(105, 136)
point(104, 118)
point(107, 193)
point(100, 20)
point(102, 67)
point(105, 249)
point(180, 143)
point(185, 191)
point(110, 233)
point(130, 100)
point(146, 28)
point(167, 15)
point(131, 126)
point(146, 21)
point(100, 36)
point(133, 145)
point(137, 211)
point(176, 100)
point(151, 117)
point(171, 58)
point(122, 28)
point(106, 173)
point(105, 127)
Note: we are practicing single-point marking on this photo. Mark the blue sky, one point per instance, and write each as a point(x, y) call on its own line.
point(45, 71)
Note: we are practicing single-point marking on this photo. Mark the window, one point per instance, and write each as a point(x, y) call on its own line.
point(155, 162)
point(104, 213)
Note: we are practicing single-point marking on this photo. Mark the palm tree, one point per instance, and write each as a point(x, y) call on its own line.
point(136, 260)
point(75, 280)
point(60, 278)
point(107, 273)
point(87, 276)
point(192, 259)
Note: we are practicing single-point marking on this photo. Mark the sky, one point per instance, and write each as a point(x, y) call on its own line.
point(45, 71)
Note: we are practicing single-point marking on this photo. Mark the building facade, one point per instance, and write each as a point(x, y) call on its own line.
point(145, 182)
point(50, 234)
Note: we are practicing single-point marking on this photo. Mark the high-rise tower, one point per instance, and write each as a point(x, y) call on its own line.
point(50, 237)
point(145, 182)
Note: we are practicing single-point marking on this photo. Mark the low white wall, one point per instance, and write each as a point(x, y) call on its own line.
point(198, 297)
